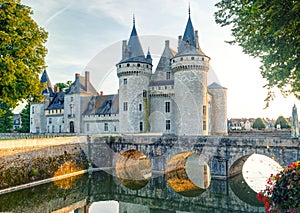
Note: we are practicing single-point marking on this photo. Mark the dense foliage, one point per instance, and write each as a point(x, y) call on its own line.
point(6, 118)
point(269, 30)
point(259, 124)
point(282, 121)
point(25, 118)
point(282, 194)
point(63, 86)
point(22, 53)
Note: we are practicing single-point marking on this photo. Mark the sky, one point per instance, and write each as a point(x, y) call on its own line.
point(87, 36)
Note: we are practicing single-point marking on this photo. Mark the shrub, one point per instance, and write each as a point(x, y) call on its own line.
point(282, 193)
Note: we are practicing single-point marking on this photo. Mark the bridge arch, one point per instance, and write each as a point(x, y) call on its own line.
point(133, 169)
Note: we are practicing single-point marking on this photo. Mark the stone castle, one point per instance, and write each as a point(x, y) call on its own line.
point(175, 99)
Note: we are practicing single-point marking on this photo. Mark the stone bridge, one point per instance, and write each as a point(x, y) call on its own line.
point(219, 152)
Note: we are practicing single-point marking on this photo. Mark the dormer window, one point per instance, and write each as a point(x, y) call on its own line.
point(168, 75)
point(128, 65)
point(138, 65)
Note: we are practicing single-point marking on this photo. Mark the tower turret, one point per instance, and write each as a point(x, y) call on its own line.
point(134, 72)
point(190, 66)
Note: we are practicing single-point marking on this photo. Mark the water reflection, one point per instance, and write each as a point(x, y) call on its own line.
point(242, 190)
point(187, 174)
point(133, 169)
point(67, 168)
point(88, 190)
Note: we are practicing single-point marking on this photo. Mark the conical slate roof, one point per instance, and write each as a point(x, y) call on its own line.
point(164, 60)
point(45, 79)
point(134, 48)
point(189, 43)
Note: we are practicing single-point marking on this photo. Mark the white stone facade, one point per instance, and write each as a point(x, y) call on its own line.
point(175, 99)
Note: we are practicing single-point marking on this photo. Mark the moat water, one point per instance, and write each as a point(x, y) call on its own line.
point(103, 192)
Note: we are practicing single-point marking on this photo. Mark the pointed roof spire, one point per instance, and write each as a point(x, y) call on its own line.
point(45, 79)
point(148, 57)
point(133, 20)
point(135, 50)
point(189, 43)
point(189, 9)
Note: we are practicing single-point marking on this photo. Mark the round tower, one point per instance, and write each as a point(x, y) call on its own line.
point(134, 72)
point(190, 66)
point(218, 109)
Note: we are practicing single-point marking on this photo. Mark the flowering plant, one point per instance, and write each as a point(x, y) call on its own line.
point(282, 193)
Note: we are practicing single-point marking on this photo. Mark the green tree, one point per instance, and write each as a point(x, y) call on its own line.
point(25, 118)
point(63, 86)
point(269, 30)
point(22, 53)
point(7, 118)
point(282, 121)
point(259, 124)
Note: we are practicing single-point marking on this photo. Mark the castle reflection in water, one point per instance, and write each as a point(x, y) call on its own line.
point(169, 193)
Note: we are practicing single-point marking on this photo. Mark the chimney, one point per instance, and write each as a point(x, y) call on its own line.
point(77, 75)
point(196, 39)
point(101, 93)
point(56, 89)
point(179, 41)
point(87, 81)
point(124, 49)
point(167, 43)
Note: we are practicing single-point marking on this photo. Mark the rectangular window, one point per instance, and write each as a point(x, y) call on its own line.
point(168, 75)
point(204, 125)
point(115, 128)
point(87, 127)
point(32, 109)
point(48, 129)
point(125, 106)
point(72, 99)
point(37, 129)
point(141, 126)
point(105, 127)
point(53, 128)
point(59, 128)
point(140, 107)
point(204, 110)
point(168, 124)
point(125, 81)
point(50, 121)
point(167, 106)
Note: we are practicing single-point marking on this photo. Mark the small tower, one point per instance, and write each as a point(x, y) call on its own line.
point(134, 72)
point(295, 127)
point(218, 110)
point(190, 66)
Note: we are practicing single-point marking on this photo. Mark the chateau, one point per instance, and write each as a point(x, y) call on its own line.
point(175, 99)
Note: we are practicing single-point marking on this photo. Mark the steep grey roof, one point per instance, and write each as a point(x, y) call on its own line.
point(134, 52)
point(57, 101)
point(103, 105)
point(189, 44)
point(164, 64)
point(79, 87)
point(45, 79)
point(164, 60)
point(215, 85)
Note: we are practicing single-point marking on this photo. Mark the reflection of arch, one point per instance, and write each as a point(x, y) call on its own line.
point(188, 174)
point(133, 169)
point(254, 170)
point(241, 189)
point(72, 127)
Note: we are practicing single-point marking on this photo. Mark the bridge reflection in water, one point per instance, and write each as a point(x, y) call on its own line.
point(177, 190)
